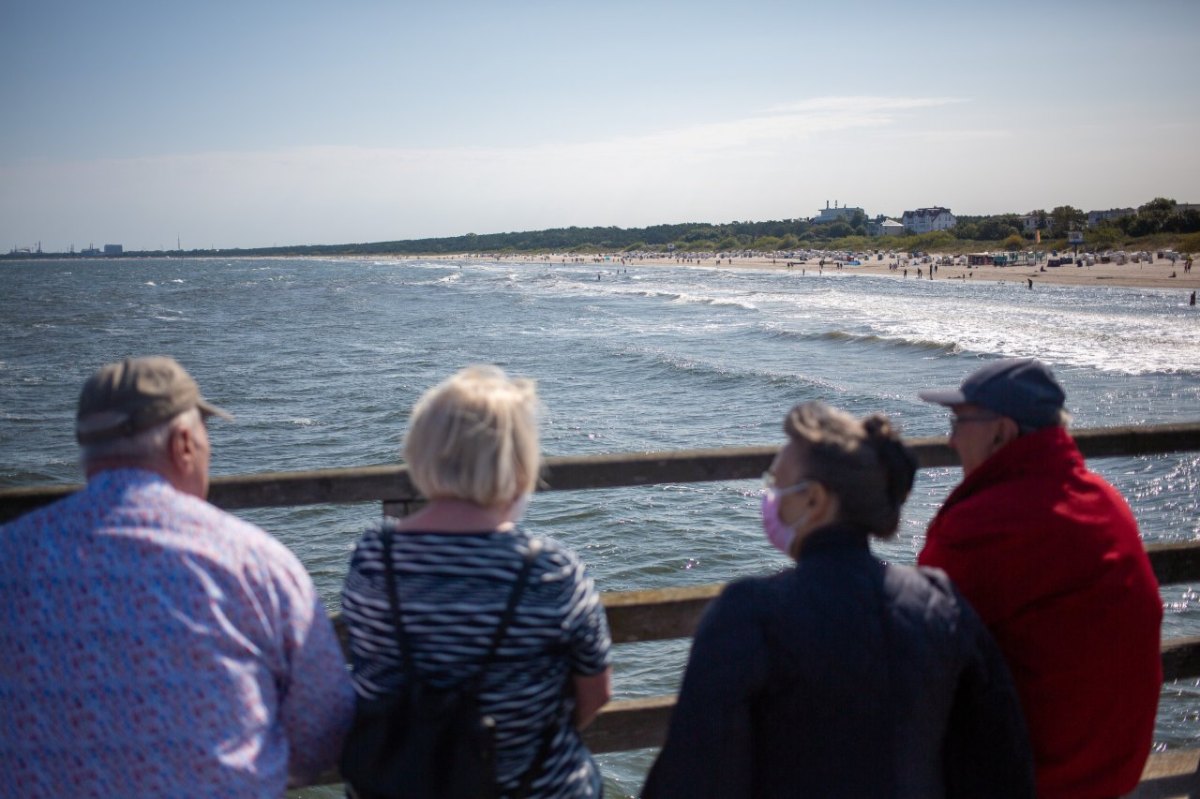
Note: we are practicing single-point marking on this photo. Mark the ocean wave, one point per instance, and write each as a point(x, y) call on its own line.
point(870, 339)
point(890, 341)
point(699, 299)
point(670, 364)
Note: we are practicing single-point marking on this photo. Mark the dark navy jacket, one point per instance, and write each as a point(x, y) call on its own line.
point(844, 677)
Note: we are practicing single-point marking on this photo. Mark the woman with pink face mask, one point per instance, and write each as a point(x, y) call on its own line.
point(842, 676)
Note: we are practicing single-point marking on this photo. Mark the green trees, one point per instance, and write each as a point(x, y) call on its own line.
point(966, 230)
point(767, 244)
point(1064, 219)
point(858, 223)
point(999, 227)
point(1104, 237)
point(1160, 215)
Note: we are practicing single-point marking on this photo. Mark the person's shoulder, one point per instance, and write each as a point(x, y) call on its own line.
point(239, 538)
point(926, 593)
point(39, 518)
point(749, 593)
point(551, 556)
point(1102, 485)
point(920, 581)
point(222, 521)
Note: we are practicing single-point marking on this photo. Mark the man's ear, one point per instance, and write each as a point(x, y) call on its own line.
point(181, 445)
point(1007, 431)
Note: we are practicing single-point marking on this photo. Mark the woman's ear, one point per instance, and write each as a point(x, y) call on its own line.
point(823, 505)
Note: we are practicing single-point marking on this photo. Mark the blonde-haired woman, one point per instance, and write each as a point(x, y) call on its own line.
point(843, 676)
point(472, 451)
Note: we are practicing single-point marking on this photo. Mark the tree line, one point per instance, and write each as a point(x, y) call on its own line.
point(1158, 216)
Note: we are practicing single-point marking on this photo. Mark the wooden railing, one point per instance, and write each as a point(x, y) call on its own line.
point(673, 613)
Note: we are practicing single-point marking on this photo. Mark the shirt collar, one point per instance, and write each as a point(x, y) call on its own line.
point(835, 536)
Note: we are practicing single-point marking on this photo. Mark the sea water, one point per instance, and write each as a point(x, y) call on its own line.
point(320, 360)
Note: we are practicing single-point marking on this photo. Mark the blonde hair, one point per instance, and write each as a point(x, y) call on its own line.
point(474, 436)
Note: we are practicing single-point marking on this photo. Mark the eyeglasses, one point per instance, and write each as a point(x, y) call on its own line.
point(955, 421)
point(770, 488)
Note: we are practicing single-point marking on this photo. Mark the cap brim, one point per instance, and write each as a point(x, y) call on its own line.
point(943, 396)
point(208, 409)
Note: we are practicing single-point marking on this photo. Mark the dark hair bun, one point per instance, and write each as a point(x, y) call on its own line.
point(898, 461)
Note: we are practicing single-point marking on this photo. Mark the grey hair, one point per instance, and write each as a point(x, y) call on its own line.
point(864, 463)
point(147, 447)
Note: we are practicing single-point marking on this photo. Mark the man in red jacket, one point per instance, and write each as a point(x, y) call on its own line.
point(1050, 556)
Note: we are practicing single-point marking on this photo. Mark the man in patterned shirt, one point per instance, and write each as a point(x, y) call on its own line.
point(153, 645)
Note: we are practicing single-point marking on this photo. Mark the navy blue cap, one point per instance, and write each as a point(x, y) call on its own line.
point(1023, 389)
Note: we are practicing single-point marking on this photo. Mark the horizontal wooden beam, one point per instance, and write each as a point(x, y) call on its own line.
point(1176, 562)
point(658, 614)
point(1181, 658)
point(570, 473)
point(1170, 775)
point(630, 724)
point(640, 723)
point(1167, 775)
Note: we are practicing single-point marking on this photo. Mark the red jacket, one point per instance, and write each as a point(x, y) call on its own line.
point(1049, 555)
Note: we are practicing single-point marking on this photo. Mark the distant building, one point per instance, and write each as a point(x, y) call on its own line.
point(835, 214)
point(927, 220)
point(113, 249)
point(882, 226)
point(1096, 217)
point(1035, 220)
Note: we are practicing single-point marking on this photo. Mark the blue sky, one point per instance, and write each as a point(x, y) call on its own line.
point(257, 123)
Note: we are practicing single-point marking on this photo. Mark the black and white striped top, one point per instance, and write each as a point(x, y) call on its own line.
point(453, 590)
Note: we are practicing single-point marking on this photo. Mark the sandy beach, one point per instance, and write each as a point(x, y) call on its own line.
point(1161, 274)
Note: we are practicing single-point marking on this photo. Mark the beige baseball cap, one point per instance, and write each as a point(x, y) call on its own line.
point(135, 394)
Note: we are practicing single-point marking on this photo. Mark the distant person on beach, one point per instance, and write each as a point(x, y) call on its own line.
point(1049, 555)
point(472, 450)
point(842, 676)
point(155, 645)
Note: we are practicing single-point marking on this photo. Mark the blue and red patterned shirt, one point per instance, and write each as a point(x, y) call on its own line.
point(153, 645)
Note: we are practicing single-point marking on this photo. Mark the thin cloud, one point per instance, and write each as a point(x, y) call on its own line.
point(943, 136)
point(863, 104)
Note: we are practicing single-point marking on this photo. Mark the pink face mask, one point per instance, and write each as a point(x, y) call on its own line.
point(779, 534)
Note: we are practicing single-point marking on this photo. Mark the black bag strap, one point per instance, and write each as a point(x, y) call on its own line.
point(510, 609)
point(410, 669)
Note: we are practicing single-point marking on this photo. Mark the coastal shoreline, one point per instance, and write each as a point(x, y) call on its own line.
point(1160, 274)
point(1154, 275)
